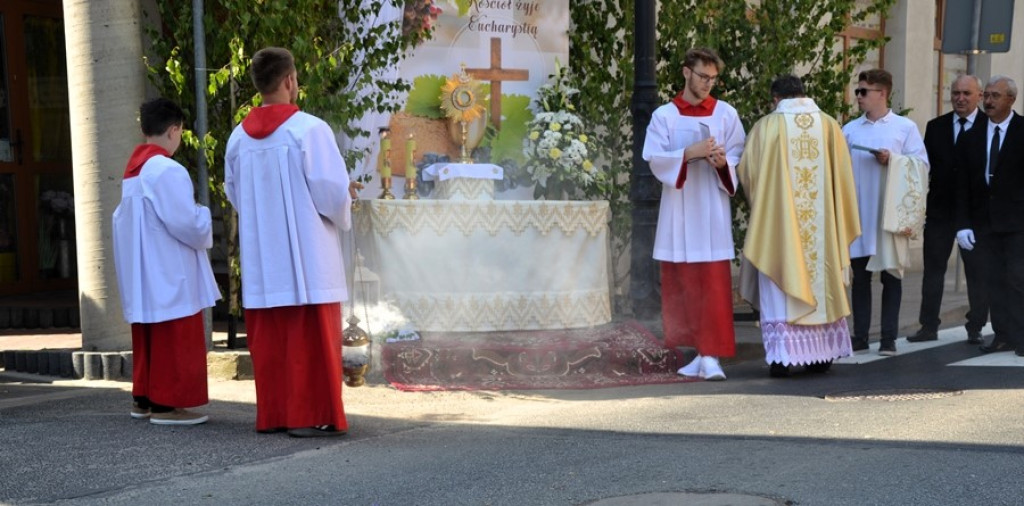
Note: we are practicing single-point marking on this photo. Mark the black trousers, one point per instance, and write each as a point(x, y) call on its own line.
point(939, 237)
point(892, 292)
point(1006, 287)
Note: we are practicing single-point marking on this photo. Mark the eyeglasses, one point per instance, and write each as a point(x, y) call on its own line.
point(862, 92)
point(704, 77)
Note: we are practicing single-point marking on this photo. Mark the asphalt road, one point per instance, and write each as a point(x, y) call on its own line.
point(958, 440)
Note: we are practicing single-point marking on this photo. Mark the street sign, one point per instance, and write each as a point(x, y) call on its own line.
point(993, 32)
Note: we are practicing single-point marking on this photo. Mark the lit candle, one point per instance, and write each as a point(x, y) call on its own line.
point(410, 151)
point(385, 155)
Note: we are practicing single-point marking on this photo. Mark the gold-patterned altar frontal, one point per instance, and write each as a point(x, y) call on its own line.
point(506, 311)
point(464, 188)
point(517, 216)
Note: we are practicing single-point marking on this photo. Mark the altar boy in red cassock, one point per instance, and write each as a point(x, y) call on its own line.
point(693, 145)
point(285, 176)
point(163, 273)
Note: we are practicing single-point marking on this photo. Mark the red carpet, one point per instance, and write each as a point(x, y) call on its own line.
point(617, 354)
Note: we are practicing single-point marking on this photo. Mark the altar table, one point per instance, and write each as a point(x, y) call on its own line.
point(470, 265)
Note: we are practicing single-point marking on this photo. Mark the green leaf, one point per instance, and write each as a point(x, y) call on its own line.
point(464, 6)
point(425, 96)
point(508, 143)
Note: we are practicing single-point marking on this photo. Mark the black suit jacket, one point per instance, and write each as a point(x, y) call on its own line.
point(997, 206)
point(938, 141)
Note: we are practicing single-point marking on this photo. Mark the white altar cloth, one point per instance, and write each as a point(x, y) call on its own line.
point(490, 265)
point(450, 170)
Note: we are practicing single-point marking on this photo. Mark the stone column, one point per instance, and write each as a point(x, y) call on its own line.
point(106, 84)
point(910, 57)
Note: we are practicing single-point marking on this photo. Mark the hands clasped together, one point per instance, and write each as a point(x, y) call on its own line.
point(709, 149)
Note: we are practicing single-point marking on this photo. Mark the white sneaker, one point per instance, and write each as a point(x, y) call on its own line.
point(692, 369)
point(710, 369)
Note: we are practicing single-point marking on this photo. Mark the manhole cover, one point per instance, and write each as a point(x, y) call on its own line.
point(691, 499)
point(893, 394)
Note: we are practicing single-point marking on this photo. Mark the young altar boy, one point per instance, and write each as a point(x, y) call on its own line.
point(163, 272)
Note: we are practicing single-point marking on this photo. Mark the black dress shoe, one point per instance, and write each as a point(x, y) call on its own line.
point(819, 367)
point(777, 370)
point(996, 347)
point(858, 344)
point(923, 335)
point(974, 337)
point(317, 431)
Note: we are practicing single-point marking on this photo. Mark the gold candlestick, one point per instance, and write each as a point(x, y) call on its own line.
point(385, 185)
point(385, 168)
point(410, 170)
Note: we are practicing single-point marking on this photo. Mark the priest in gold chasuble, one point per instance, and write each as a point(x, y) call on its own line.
point(797, 177)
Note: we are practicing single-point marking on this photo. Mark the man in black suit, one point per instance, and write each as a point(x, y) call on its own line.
point(940, 229)
point(990, 208)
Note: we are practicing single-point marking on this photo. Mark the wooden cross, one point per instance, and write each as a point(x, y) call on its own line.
point(495, 74)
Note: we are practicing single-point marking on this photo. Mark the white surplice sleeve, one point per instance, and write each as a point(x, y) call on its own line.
point(327, 176)
point(666, 162)
point(173, 202)
point(733, 140)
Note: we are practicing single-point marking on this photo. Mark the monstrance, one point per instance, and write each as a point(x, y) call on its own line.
point(460, 102)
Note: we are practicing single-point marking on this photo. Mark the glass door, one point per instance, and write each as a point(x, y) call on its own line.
point(37, 222)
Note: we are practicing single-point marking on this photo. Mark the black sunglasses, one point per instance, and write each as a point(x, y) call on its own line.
point(860, 92)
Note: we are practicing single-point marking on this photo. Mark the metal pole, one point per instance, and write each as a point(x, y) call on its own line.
point(972, 54)
point(199, 41)
point(645, 191)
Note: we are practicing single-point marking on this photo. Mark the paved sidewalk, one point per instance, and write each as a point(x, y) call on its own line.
point(748, 334)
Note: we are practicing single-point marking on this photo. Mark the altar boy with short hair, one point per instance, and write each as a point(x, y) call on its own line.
point(284, 175)
point(160, 240)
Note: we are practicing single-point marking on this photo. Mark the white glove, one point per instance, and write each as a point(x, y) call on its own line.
point(965, 238)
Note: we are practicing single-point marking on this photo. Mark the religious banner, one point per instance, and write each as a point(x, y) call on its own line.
point(508, 47)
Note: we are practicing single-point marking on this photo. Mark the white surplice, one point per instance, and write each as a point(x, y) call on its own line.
point(160, 240)
point(695, 221)
point(900, 136)
point(292, 199)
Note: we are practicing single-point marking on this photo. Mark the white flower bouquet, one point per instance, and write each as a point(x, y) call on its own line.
point(557, 158)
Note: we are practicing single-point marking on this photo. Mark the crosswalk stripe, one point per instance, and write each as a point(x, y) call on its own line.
point(947, 336)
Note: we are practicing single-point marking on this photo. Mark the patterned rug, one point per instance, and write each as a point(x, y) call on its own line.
point(617, 354)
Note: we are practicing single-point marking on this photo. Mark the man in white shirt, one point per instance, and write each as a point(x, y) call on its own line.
point(285, 176)
point(989, 214)
point(693, 145)
point(872, 138)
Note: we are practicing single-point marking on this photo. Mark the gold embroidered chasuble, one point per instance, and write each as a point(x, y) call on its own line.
point(797, 177)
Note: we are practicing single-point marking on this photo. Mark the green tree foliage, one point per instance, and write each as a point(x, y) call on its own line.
point(339, 50)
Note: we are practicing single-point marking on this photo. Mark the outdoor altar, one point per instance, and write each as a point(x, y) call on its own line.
point(477, 265)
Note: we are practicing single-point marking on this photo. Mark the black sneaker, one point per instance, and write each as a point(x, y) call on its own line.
point(974, 337)
point(859, 344)
point(923, 335)
point(887, 348)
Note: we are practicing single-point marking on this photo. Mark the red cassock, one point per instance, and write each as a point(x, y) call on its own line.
point(696, 307)
point(296, 357)
point(169, 362)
